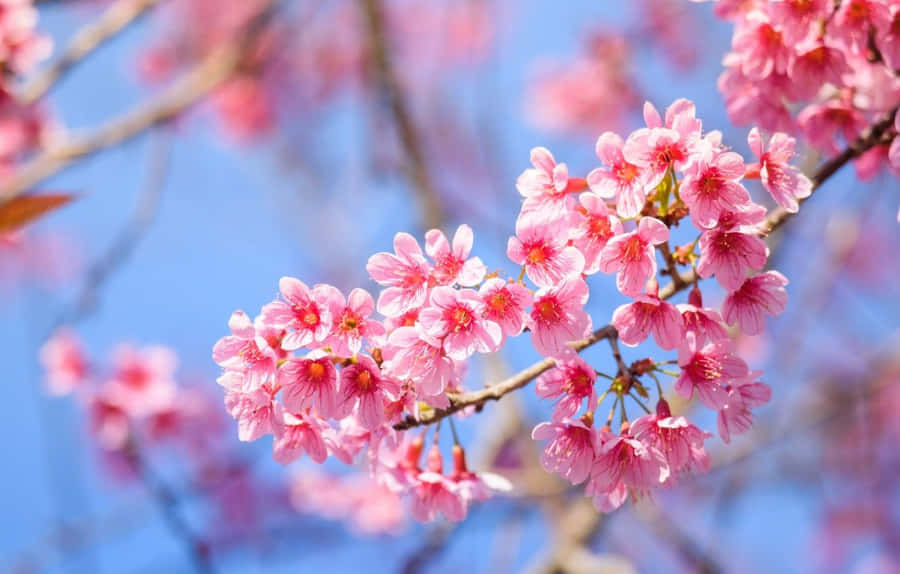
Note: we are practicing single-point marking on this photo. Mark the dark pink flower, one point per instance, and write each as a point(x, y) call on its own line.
point(728, 254)
point(570, 452)
point(711, 187)
point(541, 245)
point(558, 316)
point(760, 46)
point(571, 381)
point(648, 314)
point(708, 371)
point(679, 440)
point(311, 382)
point(452, 263)
point(622, 463)
point(364, 389)
point(759, 296)
point(633, 256)
point(405, 274)
point(455, 318)
point(705, 324)
point(505, 303)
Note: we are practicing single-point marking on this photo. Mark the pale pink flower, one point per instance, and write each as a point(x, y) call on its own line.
point(544, 186)
point(435, 494)
point(760, 46)
point(246, 352)
point(783, 181)
point(735, 416)
point(728, 254)
point(410, 356)
point(570, 452)
point(305, 313)
point(541, 245)
point(663, 146)
point(301, 432)
point(679, 440)
point(455, 317)
point(592, 226)
point(632, 255)
point(452, 263)
point(648, 314)
point(64, 361)
point(571, 381)
point(143, 379)
point(404, 273)
point(505, 303)
point(309, 382)
point(352, 322)
point(711, 187)
point(705, 324)
point(256, 412)
point(475, 486)
point(624, 462)
point(558, 316)
point(621, 180)
point(363, 387)
point(759, 296)
point(109, 422)
point(708, 370)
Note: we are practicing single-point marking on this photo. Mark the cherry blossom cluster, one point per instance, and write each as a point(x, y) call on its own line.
point(135, 399)
point(325, 376)
point(821, 68)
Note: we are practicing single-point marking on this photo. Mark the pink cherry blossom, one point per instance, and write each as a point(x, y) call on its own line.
point(311, 382)
point(455, 317)
point(679, 440)
point(405, 274)
point(735, 416)
point(410, 356)
point(436, 494)
point(305, 312)
point(783, 181)
point(541, 245)
point(256, 412)
point(854, 19)
point(648, 314)
point(759, 296)
point(452, 264)
point(571, 381)
point(246, 352)
point(545, 187)
point(705, 324)
point(352, 322)
point(711, 187)
point(621, 180)
point(728, 254)
point(663, 146)
point(363, 387)
point(760, 46)
point(632, 255)
point(708, 370)
point(570, 452)
point(301, 432)
point(143, 379)
point(624, 462)
point(475, 486)
point(505, 303)
point(64, 361)
point(592, 227)
point(558, 316)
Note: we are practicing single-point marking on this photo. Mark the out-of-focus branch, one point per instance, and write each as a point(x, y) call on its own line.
point(114, 20)
point(871, 137)
point(123, 246)
point(183, 93)
point(432, 211)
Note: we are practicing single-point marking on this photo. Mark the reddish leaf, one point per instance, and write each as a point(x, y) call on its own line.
point(20, 210)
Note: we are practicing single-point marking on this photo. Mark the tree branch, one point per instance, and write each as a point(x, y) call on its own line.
point(870, 138)
point(183, 93)
point(115, 19)
point(432, 211)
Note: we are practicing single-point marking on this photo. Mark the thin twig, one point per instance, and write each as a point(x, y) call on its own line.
point(433, 213)
point(113, 21)
point(183, 93)
point(870, 138)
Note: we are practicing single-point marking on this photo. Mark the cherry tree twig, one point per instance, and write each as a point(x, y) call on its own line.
point(872, 136)
point(432, 211)
point(218, 66)
point(113, 21)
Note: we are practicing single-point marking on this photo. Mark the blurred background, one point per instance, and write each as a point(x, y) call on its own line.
point(214, 146)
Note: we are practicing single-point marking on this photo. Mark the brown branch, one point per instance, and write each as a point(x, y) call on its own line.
point(870, 138)
point(432, 211)
point(183, 93)
point(115, 19)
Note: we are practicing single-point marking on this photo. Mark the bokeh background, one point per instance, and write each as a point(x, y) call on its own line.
point(303, 174)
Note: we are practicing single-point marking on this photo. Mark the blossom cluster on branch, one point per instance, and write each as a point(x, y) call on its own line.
point(823, 69)
point(325, 376)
